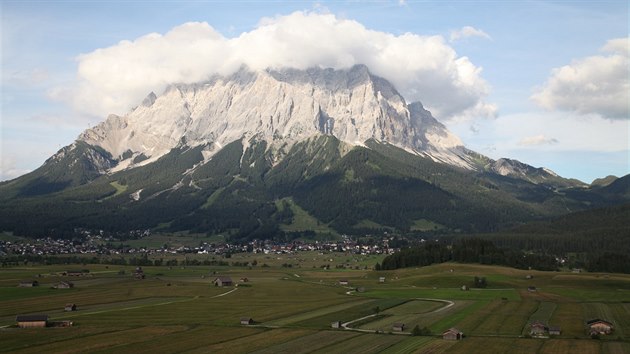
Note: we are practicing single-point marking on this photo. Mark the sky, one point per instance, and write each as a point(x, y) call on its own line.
point(543, 82)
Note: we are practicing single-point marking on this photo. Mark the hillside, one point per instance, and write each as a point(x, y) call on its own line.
point(216, 157)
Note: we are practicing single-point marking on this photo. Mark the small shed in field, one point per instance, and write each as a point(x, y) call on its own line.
point(70, 307)
point(554, 330)
point(28, 283)
point(32, 321)
point(65, 285)
point(531, 289)
point(336, 324)
point(247, 321)
point(453, 334)
point(343, 282)
point(222, 281)
point(381, 279)
point(398, 327)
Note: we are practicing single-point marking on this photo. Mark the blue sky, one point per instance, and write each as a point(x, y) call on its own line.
point(532, 110)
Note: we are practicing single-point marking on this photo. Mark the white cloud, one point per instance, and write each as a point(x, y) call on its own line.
point(8, 168)
point(467, 32)
point(597, 84)
point(116, 78)
point(537, 140)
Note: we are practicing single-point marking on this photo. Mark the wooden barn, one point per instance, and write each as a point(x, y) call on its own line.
point(222, 281)
point(70, 307)
point(555, 330)
point(452, 334)
point(32, 321)
point(28, 283)
point(398, 327)
point(65, 285)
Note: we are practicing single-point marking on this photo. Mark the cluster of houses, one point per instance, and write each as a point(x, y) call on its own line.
point(101, 245)
point(593, 327)
point(540, 329)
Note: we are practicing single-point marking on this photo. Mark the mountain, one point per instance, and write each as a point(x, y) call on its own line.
point(249, 155)
point(603, 182)
point(542, 176)
point(279, 107)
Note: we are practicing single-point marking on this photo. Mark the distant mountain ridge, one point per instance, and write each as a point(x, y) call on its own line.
point(239, 154)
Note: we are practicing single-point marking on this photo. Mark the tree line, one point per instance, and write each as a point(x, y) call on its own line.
point(466, 250)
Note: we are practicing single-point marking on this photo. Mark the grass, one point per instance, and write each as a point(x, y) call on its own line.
point(302, 220)
point(509, 318)
point(360, 309)
point(451, 294)
point(369, 224)
point(557, 346)
point(366, 343)
point(213, 198)
point(425, 225)
point(480, 345)
point(120, 189)
point(461, 319)
point(309, 343)
point(118, 314)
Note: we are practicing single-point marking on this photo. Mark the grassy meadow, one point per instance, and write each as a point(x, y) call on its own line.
point(178, 309)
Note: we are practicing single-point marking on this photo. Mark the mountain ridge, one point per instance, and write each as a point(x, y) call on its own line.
point(216, 157)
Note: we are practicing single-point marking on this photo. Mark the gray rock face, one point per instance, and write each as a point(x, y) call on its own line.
point(281, 107)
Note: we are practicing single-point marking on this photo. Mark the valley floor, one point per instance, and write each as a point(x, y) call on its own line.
point(178, 309)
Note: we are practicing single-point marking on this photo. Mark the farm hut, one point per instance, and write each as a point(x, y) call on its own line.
point(222, 281)
point(343, 282)
point(537, 329)
point(554, 330)
point(28, 283)
point(599, 326)
point(398, 327)
point(70, 307)
point(138, 273)
point(244, 280)
point(381, 279)
point(75, 272)
point(65, 285)
point(31, 321)
point(247, 321)
point(452, 334)
point(336, 324)
point(529, 276)
point(531, 289)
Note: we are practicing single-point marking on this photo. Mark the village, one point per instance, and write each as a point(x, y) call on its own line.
point(97, 245)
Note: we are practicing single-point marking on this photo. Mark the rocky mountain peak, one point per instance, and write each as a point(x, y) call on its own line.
point(280, 106)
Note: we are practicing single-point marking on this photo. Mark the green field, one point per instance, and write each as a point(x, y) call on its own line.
point(178, 309)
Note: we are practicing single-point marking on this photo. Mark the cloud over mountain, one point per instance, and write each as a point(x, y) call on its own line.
point(113, 79)
point(597, 84)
